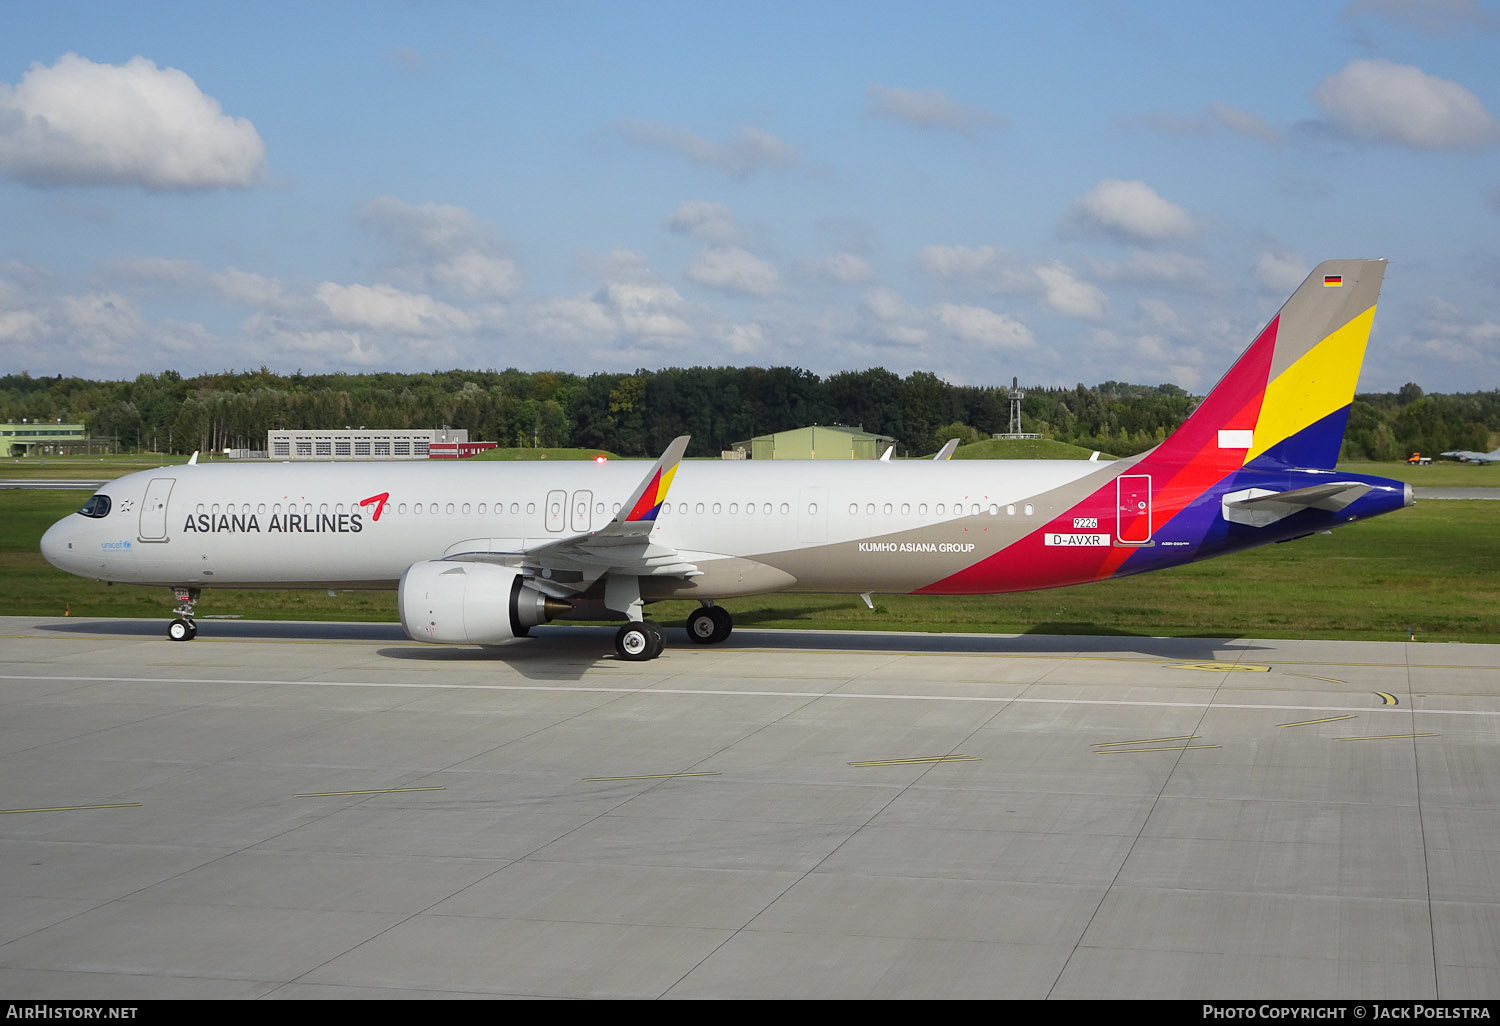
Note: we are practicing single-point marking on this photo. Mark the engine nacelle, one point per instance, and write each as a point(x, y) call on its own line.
point(459, 603)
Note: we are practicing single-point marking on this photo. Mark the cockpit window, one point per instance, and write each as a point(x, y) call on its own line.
point(97, 506)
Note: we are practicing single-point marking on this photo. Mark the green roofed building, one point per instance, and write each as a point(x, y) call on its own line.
point(819, 442)
point(45, 438)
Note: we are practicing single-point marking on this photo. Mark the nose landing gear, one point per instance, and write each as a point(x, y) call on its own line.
point(183, 628)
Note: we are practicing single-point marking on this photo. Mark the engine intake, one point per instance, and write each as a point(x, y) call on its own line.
point(458, 603)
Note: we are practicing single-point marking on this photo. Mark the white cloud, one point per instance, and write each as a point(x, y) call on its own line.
point(631, 304)
point(81, 123)
point(444, 247)
point(846, 269)
point(751, 150)
point(1215, 115)
point(1154, 266)
point(1382, 101)
point(986, 266)
point(384, 308)
point(1067, 294)
point(731, 269)
point(745, 340)
point(328, 347)
point(250, 289)
point(477, 275)
point(891, 317)
point(1157, 312)
point(429, 228)
point(984, 326)
point(1281, 272)
point(711, 222)
point(1131, 211)
point(18, 327)
point(927, 108)
point(1243, 122)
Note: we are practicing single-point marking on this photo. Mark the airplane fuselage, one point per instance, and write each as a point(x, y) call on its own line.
point(748, 527)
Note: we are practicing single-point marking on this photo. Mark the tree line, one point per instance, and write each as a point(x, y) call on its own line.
point(637, 414)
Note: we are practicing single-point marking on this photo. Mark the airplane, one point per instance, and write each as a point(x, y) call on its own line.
point(1468, 456)
point(481, 553)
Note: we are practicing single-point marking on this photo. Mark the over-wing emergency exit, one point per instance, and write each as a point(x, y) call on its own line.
point(481, 553)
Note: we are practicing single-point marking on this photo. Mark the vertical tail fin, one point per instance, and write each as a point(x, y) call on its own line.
point(1287, 398)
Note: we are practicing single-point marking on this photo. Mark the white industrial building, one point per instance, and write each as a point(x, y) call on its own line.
point(360, 443)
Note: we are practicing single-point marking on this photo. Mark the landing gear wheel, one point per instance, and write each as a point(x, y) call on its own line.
point(182, 630)
point(709, 625)
point(639, 641)
point(659, 637)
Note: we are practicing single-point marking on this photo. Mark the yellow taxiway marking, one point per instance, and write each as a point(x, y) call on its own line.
point(1308, 723)
point(1221, 667)
point(914, 762)
point(1314, 676)
point(1129, 751)
point(653, 776)
point(1385, 737)
point(1145, 741)
point(383, 790)
point(1386, 698)
point(75, 808)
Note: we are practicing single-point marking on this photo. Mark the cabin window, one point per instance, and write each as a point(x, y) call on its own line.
point(869, 509)
point(515, 508)
point(812, 509)
point(1010, 510)
point(1030, 509)
point(466, 509)
point(530, 508)
point(718, 508)
point(889, 509)
point(940, 509)
point(480, 510)
point(922, 509)
point(853, 509)
point(906, 509)
point(785, 509)
point(698, 508)
point(734, 509)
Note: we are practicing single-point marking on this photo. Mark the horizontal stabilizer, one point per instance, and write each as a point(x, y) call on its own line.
point(1261, 507)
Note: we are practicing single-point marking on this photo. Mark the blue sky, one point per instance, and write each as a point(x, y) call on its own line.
point(1059, 192)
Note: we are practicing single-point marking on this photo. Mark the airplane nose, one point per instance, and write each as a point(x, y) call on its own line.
point(56, 545)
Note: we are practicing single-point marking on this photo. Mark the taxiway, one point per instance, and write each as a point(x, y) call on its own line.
point(290, 810)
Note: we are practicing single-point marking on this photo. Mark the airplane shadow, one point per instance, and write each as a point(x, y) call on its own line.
point(568, 652)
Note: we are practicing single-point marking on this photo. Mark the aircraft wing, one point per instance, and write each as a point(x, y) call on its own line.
point(946, 452)
point(1259, 507)
point(567, 566)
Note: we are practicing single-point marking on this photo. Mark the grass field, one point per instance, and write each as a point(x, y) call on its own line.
point(1433, 569)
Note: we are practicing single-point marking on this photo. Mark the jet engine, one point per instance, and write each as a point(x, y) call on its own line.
point(460, 603)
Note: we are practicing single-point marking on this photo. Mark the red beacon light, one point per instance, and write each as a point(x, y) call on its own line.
point(601, 458)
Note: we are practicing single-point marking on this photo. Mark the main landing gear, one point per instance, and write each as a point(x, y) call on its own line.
point(709, 625)
point(183, 628)
point(640, 640)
